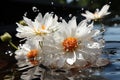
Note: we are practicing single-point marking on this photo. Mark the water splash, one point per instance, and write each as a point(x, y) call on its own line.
point(35, 9)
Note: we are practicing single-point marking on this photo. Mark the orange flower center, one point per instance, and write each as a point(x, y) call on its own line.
point(32, 55)
point(70, 44)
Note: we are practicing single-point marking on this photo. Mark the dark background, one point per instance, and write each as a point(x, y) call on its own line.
point(12, 11)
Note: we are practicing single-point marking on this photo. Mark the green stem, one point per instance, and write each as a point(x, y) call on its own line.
point(10, 42)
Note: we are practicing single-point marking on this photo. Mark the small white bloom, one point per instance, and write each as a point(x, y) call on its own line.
point(98, 14)
point(28, 54)
point(39, 27)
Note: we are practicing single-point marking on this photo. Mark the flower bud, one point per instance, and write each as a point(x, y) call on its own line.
point(6, 37)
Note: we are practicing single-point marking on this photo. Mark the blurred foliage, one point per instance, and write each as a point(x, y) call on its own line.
point(85, 3)
point(62, 1)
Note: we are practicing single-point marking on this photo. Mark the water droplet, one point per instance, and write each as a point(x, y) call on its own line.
point(97, 10)
point(6, 53)
point(60, 18)
point(115, 24)
point(109, 2)
point(11, 54)
point(92, 2)
point(82, 8)
point(70, 15)
point(52, 12)
point(52, 3)
point(25, 14)
point(90, 70)
point(35, 9)
point(9, 51)
point(116, 16)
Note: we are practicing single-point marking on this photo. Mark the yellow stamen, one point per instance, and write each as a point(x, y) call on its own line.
point(38, 31)
point(70, 44)
point(43, 27)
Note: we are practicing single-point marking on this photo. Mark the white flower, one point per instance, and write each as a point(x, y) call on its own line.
point(98, 14)
point(39, 27)
point(28, 53)
point(73, 45)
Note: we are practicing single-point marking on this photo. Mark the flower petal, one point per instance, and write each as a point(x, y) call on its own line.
point(104, 10)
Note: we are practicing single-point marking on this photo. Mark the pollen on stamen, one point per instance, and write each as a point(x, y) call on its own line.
point(70, 44)
point(33, 53)
point(39, 31)
point(32, 56)
point(43, 27)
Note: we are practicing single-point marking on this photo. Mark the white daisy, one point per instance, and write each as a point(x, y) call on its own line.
point(73, 45)
point(98, 14)
point(28, 54)
point(39, 27)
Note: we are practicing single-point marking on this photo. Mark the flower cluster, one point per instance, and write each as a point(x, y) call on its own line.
point(60, 44)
